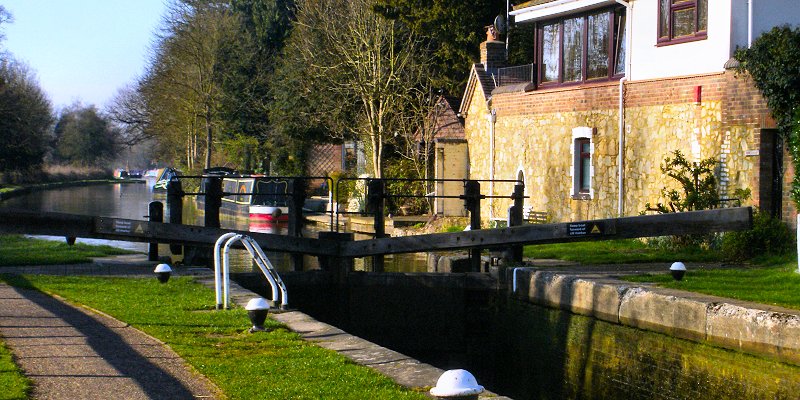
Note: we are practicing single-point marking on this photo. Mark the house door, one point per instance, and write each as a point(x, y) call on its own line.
point(770, 177)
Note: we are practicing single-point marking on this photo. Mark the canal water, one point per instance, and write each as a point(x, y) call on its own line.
point(541, 353)
point(131, 200)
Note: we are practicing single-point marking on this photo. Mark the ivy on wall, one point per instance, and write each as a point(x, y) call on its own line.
point(773, 61)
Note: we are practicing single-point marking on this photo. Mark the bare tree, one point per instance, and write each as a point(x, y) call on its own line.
point(367, 63)
point(178, 97)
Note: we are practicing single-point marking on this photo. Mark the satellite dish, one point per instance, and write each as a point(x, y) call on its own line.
point(499, 24)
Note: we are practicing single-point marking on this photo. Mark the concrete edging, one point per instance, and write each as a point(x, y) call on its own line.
point(743, 326)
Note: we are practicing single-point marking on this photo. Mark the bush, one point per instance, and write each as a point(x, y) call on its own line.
point(768, 237)
point(404, 169)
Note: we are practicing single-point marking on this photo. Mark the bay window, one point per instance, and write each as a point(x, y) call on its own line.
point(586, 47)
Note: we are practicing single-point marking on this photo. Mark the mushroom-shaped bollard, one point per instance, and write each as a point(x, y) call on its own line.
point(457, 384)
point(257, 309)
point(163, 271)
point(677, 270)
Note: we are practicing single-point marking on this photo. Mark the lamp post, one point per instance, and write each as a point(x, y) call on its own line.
point(677, 270)
point(457, 384)
point(163, 272)
point(257, 309)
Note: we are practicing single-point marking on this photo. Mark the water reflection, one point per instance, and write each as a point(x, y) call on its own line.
point(542, 353)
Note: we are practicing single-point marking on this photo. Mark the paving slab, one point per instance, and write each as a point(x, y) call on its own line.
point(74, 353)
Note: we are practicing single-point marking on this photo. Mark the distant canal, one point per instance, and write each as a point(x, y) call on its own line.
point(131, 200)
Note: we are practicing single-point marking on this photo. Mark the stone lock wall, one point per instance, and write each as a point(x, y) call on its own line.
point(533, 136)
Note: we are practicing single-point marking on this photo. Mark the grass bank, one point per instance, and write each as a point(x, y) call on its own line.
point(777, 285)
point(277, 364)
point(617, 252)
point(21, 250)
point(7, 191)
point(14, 385)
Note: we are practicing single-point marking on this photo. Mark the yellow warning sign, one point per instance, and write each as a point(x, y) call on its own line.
point(596, 229)
point(138, 229)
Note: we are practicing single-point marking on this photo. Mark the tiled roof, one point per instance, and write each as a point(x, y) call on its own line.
point(448, 124)
point(479, 77)
point(485, 78)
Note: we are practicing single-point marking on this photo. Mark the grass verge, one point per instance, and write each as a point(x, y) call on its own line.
point(776, 285)
point(276, 364)
point(616, 252)
point(21, 250)
point(15, 386)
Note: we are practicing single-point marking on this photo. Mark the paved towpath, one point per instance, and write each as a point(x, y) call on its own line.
point(74, 353)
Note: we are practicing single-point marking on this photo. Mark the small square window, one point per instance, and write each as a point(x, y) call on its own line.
point(682, 21)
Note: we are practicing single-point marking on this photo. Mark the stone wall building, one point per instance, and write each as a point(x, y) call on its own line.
point(617, 87)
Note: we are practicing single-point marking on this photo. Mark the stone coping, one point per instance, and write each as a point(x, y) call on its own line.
point(743, 326)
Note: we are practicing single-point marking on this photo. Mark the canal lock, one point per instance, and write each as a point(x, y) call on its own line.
point(526, 351)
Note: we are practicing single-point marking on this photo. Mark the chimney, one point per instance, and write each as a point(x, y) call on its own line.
point(493, 51)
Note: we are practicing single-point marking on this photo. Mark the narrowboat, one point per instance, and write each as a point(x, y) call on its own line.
point(261, 198)
point(164, 176)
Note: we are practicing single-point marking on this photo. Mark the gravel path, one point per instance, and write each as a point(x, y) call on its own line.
point(73, 353)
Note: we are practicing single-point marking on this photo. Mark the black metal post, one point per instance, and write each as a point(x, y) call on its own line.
point(376, 193)
point(472, 202)
point(155, 212)
point(213, 200)
point(175, 209)
point(514, 253)
point(297, 198)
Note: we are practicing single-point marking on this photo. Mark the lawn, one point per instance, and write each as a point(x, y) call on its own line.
point(14, 385)
point(616, 252)
point(277, 364)
point(21, 250)
point(775, 285)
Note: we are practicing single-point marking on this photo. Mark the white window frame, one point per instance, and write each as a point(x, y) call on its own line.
point(582, 132)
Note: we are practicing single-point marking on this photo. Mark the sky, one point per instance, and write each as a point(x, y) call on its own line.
point(82, 50)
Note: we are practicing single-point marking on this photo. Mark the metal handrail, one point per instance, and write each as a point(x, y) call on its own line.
point(516, 74)
point(222, 269)
point(429, 195)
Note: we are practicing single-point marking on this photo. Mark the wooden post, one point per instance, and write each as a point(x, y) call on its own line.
point(514, 253)
point(472, 202)
point(175, 209)
point(156, 214)
point(338, 266)
point(213, 193)
point(376, 193)
point(297, 198)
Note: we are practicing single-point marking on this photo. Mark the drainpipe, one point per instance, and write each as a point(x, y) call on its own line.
point(621, 139)
point(621, 151)
point(749, 23)
point(492, 120)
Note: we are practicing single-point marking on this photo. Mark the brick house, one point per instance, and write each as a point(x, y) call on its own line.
point(613, 89)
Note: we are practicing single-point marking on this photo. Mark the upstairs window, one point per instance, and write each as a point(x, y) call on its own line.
point(582, 48)
point(682, 21)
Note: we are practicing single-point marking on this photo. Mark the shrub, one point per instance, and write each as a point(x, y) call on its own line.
point(698, 185)
point(768, 237)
